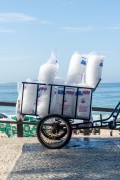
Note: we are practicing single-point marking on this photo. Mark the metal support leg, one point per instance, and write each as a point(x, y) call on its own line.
point(19, 126)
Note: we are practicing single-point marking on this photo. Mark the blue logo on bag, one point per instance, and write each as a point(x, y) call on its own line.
point(101, 64)
point(83, 62)
point(60, 91)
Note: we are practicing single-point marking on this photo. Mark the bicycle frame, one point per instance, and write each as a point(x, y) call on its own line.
point(103, 122)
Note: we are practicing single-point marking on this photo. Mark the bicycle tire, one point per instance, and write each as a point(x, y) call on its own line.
point(57, 124)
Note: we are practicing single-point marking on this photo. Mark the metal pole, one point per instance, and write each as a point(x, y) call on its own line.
point(86, 132)
point(19, 121)
point(19, 126)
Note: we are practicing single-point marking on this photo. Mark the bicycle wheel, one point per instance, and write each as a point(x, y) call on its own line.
point(51, 130)
point(54, 131)
point(51, 134)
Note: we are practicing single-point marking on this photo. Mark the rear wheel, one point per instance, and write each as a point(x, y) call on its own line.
point(54, 131)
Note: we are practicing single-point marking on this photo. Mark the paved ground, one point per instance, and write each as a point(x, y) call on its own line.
point(10, 150)
point(84, 159)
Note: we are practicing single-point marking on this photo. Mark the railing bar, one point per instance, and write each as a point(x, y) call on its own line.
point(12, 122)
point(104, 109)
point(7, 104)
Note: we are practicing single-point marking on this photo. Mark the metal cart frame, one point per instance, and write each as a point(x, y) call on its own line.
point(54, 130)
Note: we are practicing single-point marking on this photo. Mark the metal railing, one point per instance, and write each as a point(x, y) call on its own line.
point(19, 122)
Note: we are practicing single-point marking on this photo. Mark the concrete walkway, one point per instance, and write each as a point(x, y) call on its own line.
point(10, 150)
point(83, 158)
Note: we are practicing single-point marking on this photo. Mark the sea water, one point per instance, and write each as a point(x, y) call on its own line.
point(8, 93)
point(106, 95)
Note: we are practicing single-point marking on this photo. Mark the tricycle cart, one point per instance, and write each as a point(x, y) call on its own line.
point(66, 108)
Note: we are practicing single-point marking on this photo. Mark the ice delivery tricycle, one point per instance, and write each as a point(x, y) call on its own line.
point(54, 129)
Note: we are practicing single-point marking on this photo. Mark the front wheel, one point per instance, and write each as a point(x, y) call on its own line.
point(54, 131)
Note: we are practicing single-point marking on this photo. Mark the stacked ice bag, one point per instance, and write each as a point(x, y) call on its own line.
point(83, 71)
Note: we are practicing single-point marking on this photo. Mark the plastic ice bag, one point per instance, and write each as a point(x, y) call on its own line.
point(48, 71)
point(29, 98)
point(43, 100)
point(94, 69)
point(76, 68)
point(19, 99)
point(69, 101)
point(59, 80)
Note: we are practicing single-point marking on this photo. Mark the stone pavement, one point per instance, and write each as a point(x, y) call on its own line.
point(10, 150)
point(82, 158)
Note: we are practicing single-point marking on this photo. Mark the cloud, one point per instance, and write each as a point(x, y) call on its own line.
point(45, 22)
point(7, 31)
point(114, 27)
point(71, 2)
point(15, 17)
point(17, 58)
point(77, 29)
point(11, 17)
point(90, 28)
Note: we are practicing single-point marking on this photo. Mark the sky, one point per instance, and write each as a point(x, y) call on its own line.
point(31, 29)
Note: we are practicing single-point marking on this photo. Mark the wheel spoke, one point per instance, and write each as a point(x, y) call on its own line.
point(54, 131)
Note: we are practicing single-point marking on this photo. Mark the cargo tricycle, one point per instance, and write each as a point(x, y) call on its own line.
point(61, 109)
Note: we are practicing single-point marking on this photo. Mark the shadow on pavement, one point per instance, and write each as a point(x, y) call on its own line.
point(85, 158)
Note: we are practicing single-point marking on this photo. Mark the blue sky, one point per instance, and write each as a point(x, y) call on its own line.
point(30, 29)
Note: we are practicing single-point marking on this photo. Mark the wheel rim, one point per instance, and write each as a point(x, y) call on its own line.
point(54, 132)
